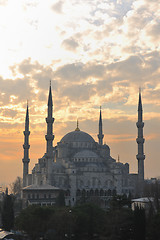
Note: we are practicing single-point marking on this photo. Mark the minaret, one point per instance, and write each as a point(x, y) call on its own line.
point(49, 120)
point(100, 135)
point(140, 141)
point(26, 147)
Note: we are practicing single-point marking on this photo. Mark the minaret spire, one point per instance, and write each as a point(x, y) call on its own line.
point(100, 135)
point(140, 141)
point(26, 147)
point(49, 120)
point(77, 128)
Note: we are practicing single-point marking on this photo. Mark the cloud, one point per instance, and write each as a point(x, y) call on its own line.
point(3, 2)
point(96, 53)
point(70, 44)
point(9, 113)
point(57, 7)
point(79, 92)
point(112, 83)
point(153, 30)
point(26, 67)
point(19, 88)
point(128, 67)
point(76, 72)
point(35, 75)
point(115, 83)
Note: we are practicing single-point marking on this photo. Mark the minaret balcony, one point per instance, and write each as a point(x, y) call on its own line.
point(140, 124)
point(49, 137)
point(26, 160)
point(49, 120)
point(26, 133)
point(140, 156)
point(100, 136)
point(140, 140)
point(26, 146)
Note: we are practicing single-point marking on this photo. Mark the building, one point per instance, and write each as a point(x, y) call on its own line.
point(42, 195)
point(146, 203)
point(79, 165)
point(1, 194)
point(6, 235)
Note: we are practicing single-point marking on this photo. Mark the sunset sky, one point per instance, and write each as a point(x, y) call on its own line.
point(97, 53)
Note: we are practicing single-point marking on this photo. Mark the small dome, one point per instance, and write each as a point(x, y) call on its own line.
point(77, 136)
point(86, 154)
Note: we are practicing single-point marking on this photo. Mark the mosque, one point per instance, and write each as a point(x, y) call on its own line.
point(78, 165)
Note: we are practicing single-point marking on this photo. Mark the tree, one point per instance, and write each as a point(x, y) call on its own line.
point(16, 187)
point(60, 201)
point(89, 221)
point(153, 229)
point(139, 223)
point(35, 221)
point(7, 213)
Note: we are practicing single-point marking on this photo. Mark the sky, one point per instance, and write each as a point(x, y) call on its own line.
point(96, 53)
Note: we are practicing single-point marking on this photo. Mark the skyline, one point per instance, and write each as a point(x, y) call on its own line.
point(96, 54)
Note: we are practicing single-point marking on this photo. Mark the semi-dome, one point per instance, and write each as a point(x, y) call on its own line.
point(77, 136)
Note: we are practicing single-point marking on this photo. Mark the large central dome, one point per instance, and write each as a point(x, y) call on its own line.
point(77, 136)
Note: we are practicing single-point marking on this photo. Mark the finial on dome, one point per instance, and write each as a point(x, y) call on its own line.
point(77, 129)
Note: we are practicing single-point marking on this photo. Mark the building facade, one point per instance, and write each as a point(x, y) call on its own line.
point(79, 165)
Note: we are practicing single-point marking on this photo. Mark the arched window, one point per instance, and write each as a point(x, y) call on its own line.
point(88, 183)
point(78, 193)
point(101, 192)
point(91, 192)
point(83, 192)
point(114, 192)
point(109, 192)
point(99, 183)
point(67, 193)
point(96, 192)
